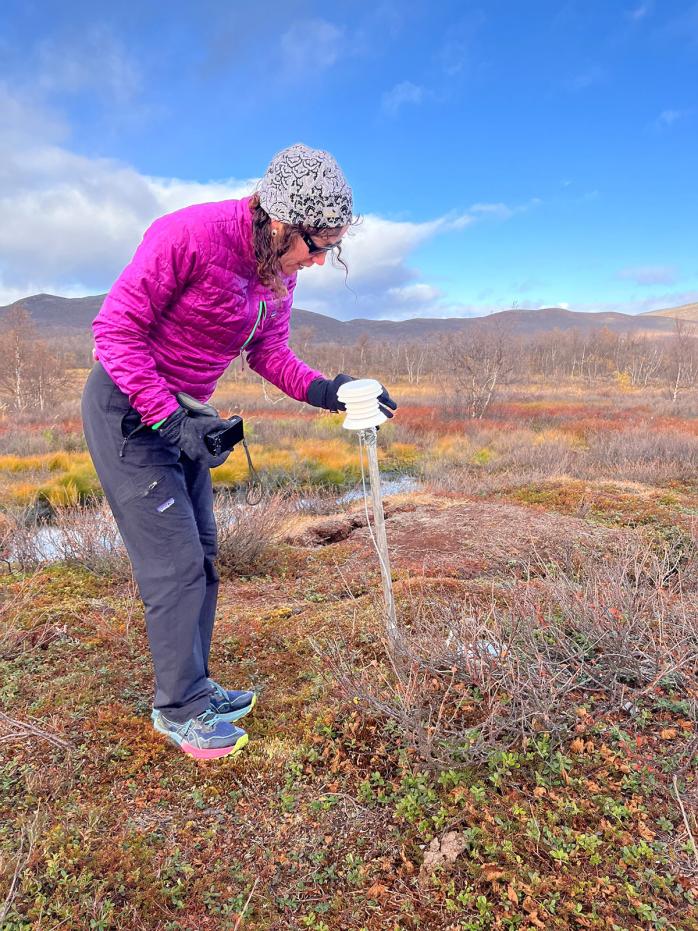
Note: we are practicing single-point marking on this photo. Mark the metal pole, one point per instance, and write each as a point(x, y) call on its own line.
point(369, 439)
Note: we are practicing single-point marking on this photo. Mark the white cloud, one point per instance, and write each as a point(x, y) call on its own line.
point(454, 56)
point(419, 294)
point(76, 219)
point(499, 211)
point(403, 93)
point(311, 45)
point(383, 282)
point(649, 274)
point(496, 211)
point(75, 222)
point(174, 193)
point(667, 118)
point(376, 252)
point(640, 12)
point(459, 50)
point(72, 222)
point(23, 119)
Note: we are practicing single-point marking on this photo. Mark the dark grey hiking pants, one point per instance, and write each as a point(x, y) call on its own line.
point(163, 505)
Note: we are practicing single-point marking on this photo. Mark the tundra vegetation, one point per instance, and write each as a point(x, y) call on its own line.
point(526, 758)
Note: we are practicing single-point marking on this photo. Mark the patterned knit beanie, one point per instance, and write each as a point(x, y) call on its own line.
point(306, 187)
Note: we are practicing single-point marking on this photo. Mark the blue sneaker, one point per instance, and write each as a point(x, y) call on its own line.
point(205, 737)
point(229, 705)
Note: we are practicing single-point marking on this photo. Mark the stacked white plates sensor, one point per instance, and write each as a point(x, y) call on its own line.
point(361, 400)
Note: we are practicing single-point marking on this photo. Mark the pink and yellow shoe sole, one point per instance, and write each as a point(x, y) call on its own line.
point(202, 753)
point(212, 753)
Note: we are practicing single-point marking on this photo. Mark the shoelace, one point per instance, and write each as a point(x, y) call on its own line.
point(207, 720)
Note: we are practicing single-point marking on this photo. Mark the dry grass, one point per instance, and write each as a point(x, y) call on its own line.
point(247, 534)
point(534, 433)
point(11, 869)
point(83, 534)
point(491, 458)
point(644, 456)
point(477, 672)
point(14, 603)
point(86, 535)
point(522, 623)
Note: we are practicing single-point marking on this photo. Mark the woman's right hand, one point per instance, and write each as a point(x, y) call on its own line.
point(189, 433)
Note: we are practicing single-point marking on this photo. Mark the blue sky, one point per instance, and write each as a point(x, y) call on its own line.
point(501, 153)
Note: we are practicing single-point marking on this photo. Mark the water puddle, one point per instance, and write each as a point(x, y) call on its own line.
point(397, 485)
point(392, 483)
point(47, 543)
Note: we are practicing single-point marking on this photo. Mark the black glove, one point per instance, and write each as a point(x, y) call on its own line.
point(322, 392)
point(188, 432)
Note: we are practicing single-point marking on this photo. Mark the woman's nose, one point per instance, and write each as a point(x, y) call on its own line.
point(319, 258)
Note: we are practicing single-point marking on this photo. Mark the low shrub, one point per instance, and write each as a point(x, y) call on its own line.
point(472, 675)
point(82, 534)
point(87, 535)
point(247, 534)
point(492, 460)
point(645, 455)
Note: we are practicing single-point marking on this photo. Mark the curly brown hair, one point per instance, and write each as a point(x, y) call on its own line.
point(268, 251)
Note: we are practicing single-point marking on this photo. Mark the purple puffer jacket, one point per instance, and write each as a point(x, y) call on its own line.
point(187, 305)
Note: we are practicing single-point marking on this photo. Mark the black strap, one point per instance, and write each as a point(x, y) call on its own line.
point(255, 488)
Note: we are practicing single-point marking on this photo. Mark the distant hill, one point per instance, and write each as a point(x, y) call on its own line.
point(517, 322)
point(50, 312)
point(72, 315)
point(684, 312)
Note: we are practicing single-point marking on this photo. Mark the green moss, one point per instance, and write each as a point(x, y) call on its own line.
point(483, 456)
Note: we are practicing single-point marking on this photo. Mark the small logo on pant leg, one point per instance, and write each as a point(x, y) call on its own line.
point(165, 505)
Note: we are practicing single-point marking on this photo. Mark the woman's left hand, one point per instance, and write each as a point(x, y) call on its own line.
point(386, 403)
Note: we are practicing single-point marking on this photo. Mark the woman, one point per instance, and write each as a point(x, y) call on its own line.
point(206, 283)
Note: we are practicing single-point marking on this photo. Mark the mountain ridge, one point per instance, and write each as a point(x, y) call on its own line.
point(683, 312)
point(57, 316)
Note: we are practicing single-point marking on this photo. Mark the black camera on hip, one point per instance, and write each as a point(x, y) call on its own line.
point(224, 438)
point(221, 438)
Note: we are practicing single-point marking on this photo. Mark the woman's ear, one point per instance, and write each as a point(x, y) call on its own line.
point(277, 229)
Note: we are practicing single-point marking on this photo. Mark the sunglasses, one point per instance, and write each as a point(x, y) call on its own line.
point(313, 248)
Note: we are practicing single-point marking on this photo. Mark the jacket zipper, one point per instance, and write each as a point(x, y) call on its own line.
point(260, 314)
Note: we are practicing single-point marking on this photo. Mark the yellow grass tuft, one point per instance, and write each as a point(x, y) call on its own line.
point(48, 462)
point(401, 456)
point(553, 436)
point(452, 449)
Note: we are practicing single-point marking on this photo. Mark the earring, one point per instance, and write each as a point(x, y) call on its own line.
point(273, 232)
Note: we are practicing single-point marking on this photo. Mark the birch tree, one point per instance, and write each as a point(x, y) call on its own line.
point(31, 376)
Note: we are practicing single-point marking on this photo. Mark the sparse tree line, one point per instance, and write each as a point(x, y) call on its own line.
point(471, 367)
point(33, 373)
